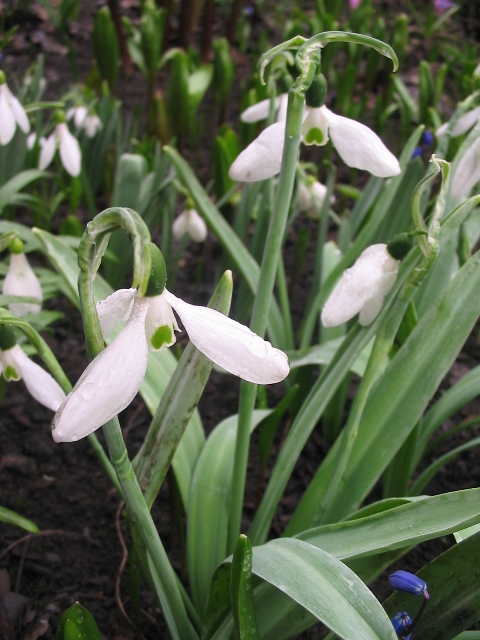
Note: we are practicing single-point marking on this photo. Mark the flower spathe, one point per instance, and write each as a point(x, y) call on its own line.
point(69, 149)
point(467, 173)
point(362, 288)
point(16, 365)
point(190, 223)
point(357, 145)
point(22, 281)
point(464, 123)
point(113, 378)
point(11, 114)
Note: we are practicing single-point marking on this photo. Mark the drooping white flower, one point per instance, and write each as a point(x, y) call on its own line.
point(11, 113)
point(16, 365)
point(189, 222)
point(22, 281)
point(362, 288)
point(464, 123)
point(32, 141)
point(357, 145)
point(69, 149)
point(310, 197)
point(85, 119)
point(113, 378)
point(261, 110)
point(467, 173)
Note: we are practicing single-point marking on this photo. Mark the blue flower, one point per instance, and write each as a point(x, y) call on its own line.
point(401, 622)
point(409, 582)
point(427, 137)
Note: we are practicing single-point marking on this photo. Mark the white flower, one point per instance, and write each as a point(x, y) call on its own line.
point(190, 223)
point(261, 110)
point(113, 378)
point(362, 288)
point(32, 141)
point(310, 196)
point(70, 153)
point(464, 123)
point(11, 114)
point(22, 281)
point(357, 145)
point(16, 365)
point(85, 119)
point(467, 174)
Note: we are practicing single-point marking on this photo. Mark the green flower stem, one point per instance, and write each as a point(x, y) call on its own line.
point(89, 256)
point(266, 283)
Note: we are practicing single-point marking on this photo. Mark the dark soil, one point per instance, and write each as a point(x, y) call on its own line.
point(81, 553)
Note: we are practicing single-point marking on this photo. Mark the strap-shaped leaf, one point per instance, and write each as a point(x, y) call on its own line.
point(241, 591)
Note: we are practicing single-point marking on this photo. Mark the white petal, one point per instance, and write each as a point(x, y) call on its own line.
point(19, 112)
point(315, 127)
point(115, 309)
point(260, 111)
point(10, 368)
point(47, 152)
point(108, 384)
point(160, 323)
point(7, 119)
point(22, 281)
point(189, 222)
point(366, 283)
point(464, 123)
point(282, 107)
point(230, 344)
point(80, 116)
point(70, 153)
point(360, 147)
point(92, 125)
point(262, 158)
point(468, 172)
point(39, 382)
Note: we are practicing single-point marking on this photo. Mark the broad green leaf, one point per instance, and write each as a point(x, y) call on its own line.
point(454, 589)
point(77, 623)
point(241, 591)
point(11, 188)
point(11, 517)
point(324, 586)
point(208, 506)
point(400, 396)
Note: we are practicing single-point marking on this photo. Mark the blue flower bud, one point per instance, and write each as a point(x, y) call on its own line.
point(427, 137)
point(409, 582)
point(401, 622)
point(417, 152)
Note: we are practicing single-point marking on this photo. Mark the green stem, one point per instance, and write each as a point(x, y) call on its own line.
point(266, 283)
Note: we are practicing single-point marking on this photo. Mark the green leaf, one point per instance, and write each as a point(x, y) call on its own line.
point(198, 84)
point(454, 590)
point(400, 397)
point(77, 623)
point(241, 591)
point(325, 587)
point(11, 517)
point(11, 188)
point(208, 506)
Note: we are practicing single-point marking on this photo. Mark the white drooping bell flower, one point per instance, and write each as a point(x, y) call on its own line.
point(261, 110)
point(68, 146)
point(311, 195)
point(85, 119)
point(362, 288)
point(464, 123)
point(190, 223)
point(21, 281)
point(113, 378)
point(467, 173)
point(11, 113)
point(16, 365)
point(357, 145)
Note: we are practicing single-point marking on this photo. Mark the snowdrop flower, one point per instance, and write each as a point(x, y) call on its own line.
point(310, 196)
point(85, 119)
point(11, 113)
point(32, 141)
point(261, 110)
point(16, 365)
point(113, 378)
point(464, 123)
point(357, 145)
point(467, 173)
point(68, 146)
point(189, 222)
point(21, 281)
point(362, 288)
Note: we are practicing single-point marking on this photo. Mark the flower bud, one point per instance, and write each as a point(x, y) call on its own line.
point(409, 582)
point(401, 622)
